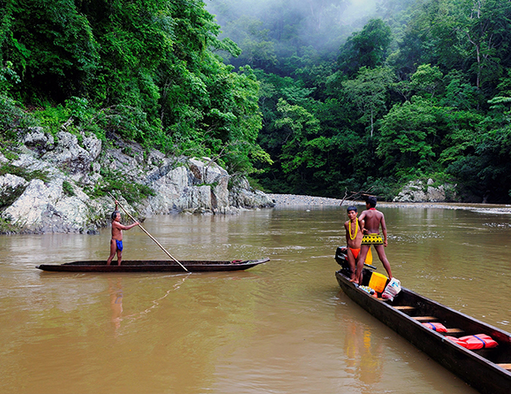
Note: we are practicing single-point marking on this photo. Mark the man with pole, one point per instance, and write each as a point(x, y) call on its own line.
point(116, 241)
point(145, 231)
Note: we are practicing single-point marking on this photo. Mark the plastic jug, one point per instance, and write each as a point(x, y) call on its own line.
point(378, 281)
point(392, 289)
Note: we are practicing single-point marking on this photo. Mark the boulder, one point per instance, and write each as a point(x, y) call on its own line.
point(417, 191)
point(43, 208)
point(243, 196)
point(69, 156)
point(10, 186)
point(195, 198)
point(115, 160)
point(37, 140)
point(35, 204)
point(168, 185)
point(182, 188)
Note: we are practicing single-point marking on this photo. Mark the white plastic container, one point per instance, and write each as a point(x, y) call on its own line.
point(392, 289)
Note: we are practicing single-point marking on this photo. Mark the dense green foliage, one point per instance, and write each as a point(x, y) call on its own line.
point(144, 69)
point(318, 96)
point(421, 88)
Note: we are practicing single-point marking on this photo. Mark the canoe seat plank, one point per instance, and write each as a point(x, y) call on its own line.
point(454, 331)
point(425, 318)
point(404, 308)
point(505, 366)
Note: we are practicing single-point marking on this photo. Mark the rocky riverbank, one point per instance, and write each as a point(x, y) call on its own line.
point(61, 183)
point(297, 200)
point(283, 200)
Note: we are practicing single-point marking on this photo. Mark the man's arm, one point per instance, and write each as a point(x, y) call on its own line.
point(384, 230)
point(362, 224)
point(123, 227)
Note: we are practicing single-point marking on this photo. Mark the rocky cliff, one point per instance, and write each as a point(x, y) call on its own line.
point(60, 184)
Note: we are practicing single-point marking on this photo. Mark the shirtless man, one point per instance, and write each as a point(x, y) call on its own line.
point(116, 241)
point(371, 219)
point(353, 239)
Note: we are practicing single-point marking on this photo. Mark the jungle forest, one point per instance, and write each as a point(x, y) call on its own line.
point(302, 96)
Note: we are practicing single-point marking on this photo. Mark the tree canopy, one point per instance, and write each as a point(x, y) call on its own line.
point(146, 69)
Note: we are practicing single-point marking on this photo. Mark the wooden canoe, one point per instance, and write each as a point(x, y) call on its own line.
point(486, 370)
point(153, 266)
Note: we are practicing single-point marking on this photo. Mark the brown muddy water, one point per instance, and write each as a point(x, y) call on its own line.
point(283, 327)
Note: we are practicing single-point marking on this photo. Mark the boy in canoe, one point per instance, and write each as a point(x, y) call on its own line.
point(353, 239)
point(116, 241)
point(371, 220)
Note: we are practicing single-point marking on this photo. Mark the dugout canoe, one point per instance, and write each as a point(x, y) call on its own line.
point(486, 370)
point(153, 266)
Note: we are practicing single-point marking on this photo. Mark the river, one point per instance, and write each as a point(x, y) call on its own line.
point(283, 327)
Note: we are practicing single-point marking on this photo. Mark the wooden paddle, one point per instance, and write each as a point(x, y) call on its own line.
point(147, 232)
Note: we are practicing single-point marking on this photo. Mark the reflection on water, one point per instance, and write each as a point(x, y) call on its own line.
point(281, 327)
point(115, 291)
point(364, 353)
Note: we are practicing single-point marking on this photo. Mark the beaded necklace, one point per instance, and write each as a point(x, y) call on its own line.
point(356, 230)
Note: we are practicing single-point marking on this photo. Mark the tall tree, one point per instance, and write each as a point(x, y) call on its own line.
point(369, 91)
point(367, 48)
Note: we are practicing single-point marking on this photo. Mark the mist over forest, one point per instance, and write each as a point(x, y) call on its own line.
point(289, 27)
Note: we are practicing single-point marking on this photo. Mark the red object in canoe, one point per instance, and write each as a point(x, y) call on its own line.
point(474, 342)
point(438, 327)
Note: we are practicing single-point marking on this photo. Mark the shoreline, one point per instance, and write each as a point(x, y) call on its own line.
point(296, 200)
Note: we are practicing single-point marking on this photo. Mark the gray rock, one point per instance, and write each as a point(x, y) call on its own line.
point(243, 198)
point(10, 186)
point(43, 208)
point(156, 158)
point(92, 145)
point(116, 161)
point(31, 163)
point(416, 191)
point(69, 156)
point(190, 185)
point(216, 177)
point(35, 203)
point(3, 159)
point(12, 181)
point(36, 139)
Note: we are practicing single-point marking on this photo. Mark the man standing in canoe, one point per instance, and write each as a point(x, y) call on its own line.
point(353, 239)
point(371, 220)
point(116, 241)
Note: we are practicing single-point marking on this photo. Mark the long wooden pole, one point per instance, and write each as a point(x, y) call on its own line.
point(147, 232)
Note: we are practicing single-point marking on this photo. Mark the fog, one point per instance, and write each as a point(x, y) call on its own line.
point(292, 25)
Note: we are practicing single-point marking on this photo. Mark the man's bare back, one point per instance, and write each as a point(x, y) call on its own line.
point(371, 220)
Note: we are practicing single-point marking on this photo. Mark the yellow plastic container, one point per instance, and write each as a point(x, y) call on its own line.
point(378, 282)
